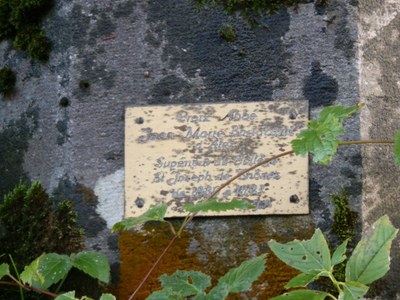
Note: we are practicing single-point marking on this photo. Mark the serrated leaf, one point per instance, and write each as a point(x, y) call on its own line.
point(353, 291)
point(214, 205)
point(339, 111)
point(155, 213)
point(303, 279)
point(241, 278)
point(371, 257)
point(31, 273)
point(320, 137)
point(4, 270)
point(302, 295)
point(306, 256)
point(340, 253)
point(165, 294)
point(107, 297)
point(187, 283)
point(92, 263)
point(66, 296)
point(52, 268)
point(397, 148)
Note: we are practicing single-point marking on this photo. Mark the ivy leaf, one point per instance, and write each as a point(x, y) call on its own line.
point(107, 297)
point(241, 278)
point(397, 148)
point(302, 295)
point(371, 257)
point(320, 137)
point(4, 270)
point(92, 263)
point(214, 205)
point(187, 283)
point(155, 213)
point(340, 253)
point(303, 279)
point(353, 291)
point(306, 256)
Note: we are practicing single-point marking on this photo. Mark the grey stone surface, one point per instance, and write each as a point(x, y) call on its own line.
point(101, 51)
point(380, 90)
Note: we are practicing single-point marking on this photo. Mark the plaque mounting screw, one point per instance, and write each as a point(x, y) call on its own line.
point(292, 115)
point(294, 199)
point(139, 202)
point(139, 120)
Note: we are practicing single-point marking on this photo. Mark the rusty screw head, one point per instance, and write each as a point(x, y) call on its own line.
point(146, 74)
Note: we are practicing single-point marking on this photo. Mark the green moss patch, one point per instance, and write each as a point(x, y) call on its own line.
point(7, 81)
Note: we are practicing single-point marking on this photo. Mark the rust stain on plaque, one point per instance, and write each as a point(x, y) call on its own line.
point(179, 154)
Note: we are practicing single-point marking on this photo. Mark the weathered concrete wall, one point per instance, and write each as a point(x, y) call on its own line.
point(380, 90)
point(305, 53)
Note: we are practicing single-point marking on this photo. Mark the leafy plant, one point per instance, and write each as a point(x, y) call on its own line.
point(183, 284)
point(250, 10)
point(313, 258)
point(368, 262)
point(52, 268)
point(33, 224)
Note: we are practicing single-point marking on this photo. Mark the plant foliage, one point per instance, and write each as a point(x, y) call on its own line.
point(183, 284)
point(154, 213)
point(20, 21)
point(33, 224)
point(250, 10)
point(320, 138)
point(368, 262)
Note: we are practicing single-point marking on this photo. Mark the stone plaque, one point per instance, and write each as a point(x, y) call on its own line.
point(178, 154)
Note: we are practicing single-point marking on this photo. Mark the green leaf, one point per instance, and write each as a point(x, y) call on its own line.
point(340, 112)
point(67, 296)
point(107, 297)
point(187, 283)
point(155, 213)
point(397, 148)
point(241, 278)
point(214, 205)
point(371, 257)
point(31, 273)
point(165, 294)
point(302, 295)
point(4, 270)
point(303, 279)
point(306, 256)
point(340, 253)
point(92, 263)
point(320, 137)
point(52, 268)
point(353, 291)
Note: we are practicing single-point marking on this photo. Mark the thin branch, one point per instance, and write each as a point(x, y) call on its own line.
point(190, 217)
point(27, 287)
point(153, 266)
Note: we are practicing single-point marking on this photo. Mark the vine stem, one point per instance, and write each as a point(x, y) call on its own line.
point(190, 216)
point(153, 266)
point(27, 287)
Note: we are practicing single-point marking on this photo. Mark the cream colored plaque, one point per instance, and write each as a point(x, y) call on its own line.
point(178, 154)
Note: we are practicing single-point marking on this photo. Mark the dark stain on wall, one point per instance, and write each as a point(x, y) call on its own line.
point(320, 88)
point(167, 87)
point(242, 70)
point(14, 142)
point(85, 202)
point(343, 39)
